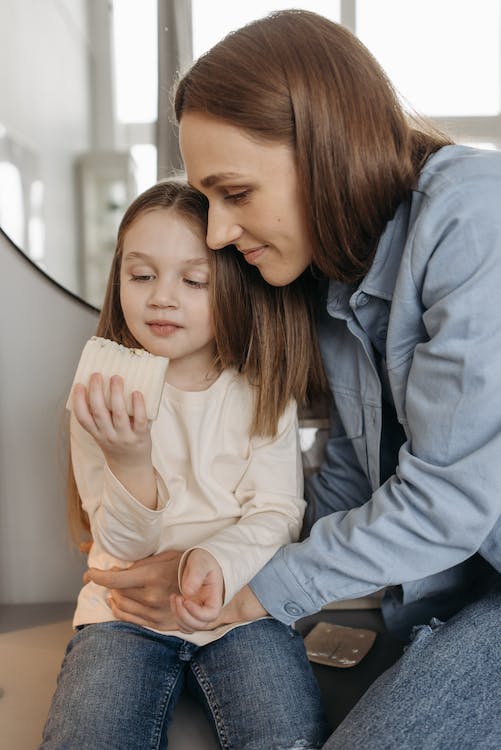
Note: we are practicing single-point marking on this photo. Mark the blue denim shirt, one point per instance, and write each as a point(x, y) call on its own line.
point(421, 332)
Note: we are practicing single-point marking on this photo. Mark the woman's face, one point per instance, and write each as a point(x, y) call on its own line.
point(253, 193)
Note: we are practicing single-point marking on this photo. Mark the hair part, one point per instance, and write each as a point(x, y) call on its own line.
point(267, 333)
point(318, 89)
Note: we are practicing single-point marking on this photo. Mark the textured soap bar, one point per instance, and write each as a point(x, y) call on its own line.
point(338, 646)
point(140, 370)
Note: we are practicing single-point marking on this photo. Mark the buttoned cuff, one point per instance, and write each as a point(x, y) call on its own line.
point(279, 592)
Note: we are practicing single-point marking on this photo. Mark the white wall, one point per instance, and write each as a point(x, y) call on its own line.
point(45, 106)
point(42, 332)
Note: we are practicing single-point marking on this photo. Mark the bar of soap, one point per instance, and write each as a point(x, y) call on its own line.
point(337, 645)
point(140, 370)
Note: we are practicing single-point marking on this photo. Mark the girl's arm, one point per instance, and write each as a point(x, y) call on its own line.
point(125, 441)
point(270, 497)
point(111, 457)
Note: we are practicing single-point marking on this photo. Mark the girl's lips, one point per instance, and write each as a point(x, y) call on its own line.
point(163, 329)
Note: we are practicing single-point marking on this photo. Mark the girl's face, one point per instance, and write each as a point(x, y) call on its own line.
point(253, 193)
point(164, 279)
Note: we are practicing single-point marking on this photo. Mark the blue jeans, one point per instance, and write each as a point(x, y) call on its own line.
point(444, 693)
point(119, 684)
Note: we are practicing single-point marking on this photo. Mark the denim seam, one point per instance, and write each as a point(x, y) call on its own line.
point(217, 715)
point(160, 718)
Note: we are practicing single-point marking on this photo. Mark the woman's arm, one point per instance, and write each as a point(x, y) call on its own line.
point(141, 594)
point(443, 500)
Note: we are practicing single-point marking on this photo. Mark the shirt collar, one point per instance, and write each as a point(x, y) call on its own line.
point(381, 277)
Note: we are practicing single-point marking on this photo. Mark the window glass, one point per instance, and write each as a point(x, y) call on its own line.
point(213, 20)
point(135, 57)
point(145, 158)
point(443, 56)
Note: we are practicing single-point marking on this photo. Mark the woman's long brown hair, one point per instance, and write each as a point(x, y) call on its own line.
point(267, 333)
point(295, 77)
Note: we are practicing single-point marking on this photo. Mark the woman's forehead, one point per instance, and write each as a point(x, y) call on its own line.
point(216, 151)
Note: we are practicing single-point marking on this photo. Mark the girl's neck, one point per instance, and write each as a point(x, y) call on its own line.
point(188, 377)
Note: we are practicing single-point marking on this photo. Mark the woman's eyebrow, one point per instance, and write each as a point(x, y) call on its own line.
point(214, 179)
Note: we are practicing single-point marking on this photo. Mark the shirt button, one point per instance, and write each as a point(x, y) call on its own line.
point(362, 299)
point(292, 609)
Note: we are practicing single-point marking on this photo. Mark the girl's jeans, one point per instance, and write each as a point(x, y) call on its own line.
point(119, 684)
point(444, 693)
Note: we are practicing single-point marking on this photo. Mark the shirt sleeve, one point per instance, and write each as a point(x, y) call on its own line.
point(120, 524)
point(272, 506)
point(443, 500)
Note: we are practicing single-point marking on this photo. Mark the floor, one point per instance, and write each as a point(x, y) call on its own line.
point(32, 643)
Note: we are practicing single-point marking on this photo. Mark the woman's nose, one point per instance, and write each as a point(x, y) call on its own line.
point(221, 230)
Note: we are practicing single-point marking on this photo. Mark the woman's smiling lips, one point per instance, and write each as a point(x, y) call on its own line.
point(253, 254)
point(162, 327)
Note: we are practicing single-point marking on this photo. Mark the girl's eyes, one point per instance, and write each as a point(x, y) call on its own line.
point(189, 282)
point(196, 284)
point(142, 277)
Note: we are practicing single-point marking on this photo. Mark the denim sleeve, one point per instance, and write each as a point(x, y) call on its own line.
point(444, 498)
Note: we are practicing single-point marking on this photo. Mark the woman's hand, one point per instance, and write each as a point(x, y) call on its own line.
point(140, 594)
point(125, 441)
point(244, 607)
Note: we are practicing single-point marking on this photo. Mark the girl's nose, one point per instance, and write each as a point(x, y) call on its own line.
point(221, 230)
point(163, 294)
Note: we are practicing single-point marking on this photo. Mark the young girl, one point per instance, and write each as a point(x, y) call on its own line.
point(218, 474)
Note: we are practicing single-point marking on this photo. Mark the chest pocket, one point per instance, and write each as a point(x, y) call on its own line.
point(351, 416)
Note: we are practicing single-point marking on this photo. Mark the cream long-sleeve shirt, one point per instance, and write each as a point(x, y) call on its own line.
point(237, 497)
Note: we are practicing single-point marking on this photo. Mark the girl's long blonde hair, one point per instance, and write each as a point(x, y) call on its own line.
point(268, 333)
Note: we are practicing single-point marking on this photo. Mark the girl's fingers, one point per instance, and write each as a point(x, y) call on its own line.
point(204, 613)
point(119, 417)
point(97, 405)
point(185, 622)
point(139, 418)
point(188, 614)
point(81, 409)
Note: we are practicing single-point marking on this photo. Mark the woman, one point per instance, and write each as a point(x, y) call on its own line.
point(296, 137)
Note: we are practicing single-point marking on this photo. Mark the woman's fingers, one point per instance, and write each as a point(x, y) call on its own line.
point(142, 616)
